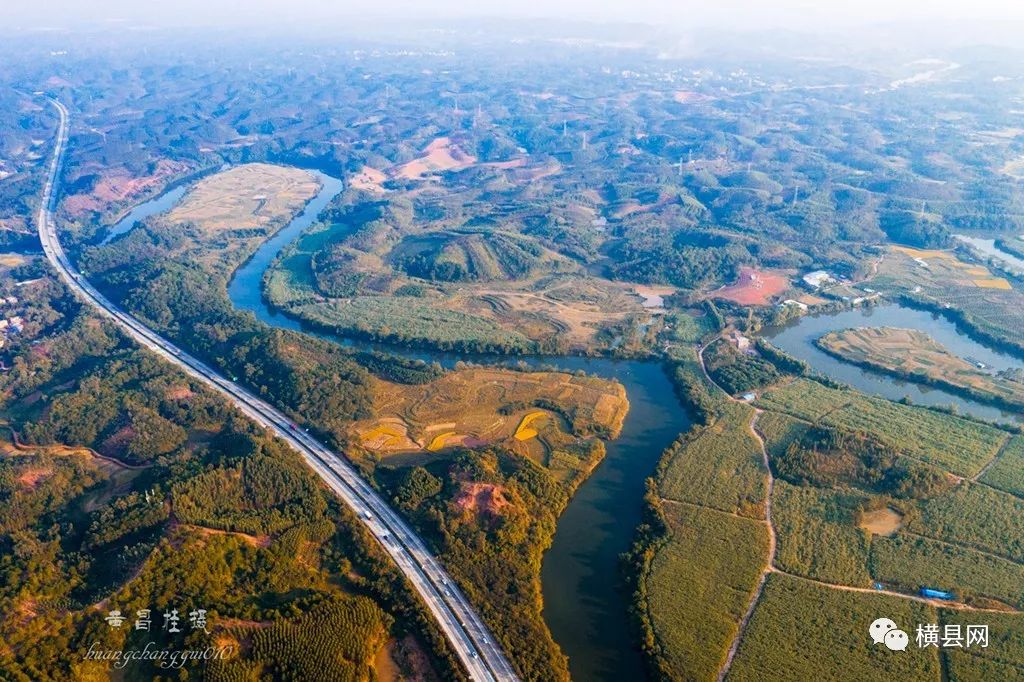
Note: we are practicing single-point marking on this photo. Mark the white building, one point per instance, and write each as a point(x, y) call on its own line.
point(818, 279)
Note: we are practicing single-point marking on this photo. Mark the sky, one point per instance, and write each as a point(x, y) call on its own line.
point(745, 15)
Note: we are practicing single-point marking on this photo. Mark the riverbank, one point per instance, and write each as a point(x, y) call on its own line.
point(932, 365)
point(584, 603)
point(798, 339)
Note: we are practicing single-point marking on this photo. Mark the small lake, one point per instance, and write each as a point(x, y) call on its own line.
point(798, 337)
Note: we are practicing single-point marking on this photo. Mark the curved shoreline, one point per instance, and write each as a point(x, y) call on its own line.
point(936, 382)
point(582, 606)
point(964, 324)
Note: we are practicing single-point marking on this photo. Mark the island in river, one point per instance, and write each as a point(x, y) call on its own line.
point(916, 356)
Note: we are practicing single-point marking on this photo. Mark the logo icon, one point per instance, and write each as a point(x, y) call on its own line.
point(885, 630)
point(896, 640)
point(879, 628)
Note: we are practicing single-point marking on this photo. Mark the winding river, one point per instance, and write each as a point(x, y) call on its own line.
point(584, 605)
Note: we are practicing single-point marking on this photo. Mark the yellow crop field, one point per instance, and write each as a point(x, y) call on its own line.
point(479, 407)
point(993, 283)
point(385, 437)
point(526, 429)
point(440, 441)
point(925, 253)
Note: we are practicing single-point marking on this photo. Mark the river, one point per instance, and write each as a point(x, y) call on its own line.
point(162, 203)
point(583, 604)
point(987, 247)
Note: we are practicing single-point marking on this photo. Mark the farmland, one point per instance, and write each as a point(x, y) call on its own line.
point(908, 562)
point(699, 584)
point(539, 415)
point(779, 430)
point(1002, 659)
point(970, 294)
point(803, 631)
point(251, 196)
point(808, 519)
point(718, 466)
point(914, 355)
point(1007, 473)
point(975, 516)
point(960, 445)
point(859, 496)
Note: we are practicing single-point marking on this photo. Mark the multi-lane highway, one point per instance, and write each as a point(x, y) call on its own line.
point(469, 637)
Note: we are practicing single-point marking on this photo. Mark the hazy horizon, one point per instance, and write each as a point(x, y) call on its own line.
point(986, 20)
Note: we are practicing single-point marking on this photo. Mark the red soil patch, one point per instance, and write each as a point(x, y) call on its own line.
point(178, 393)
point(484, 498)
point(118, 441)
point(117, 186)
point(30, 478)
point(754, 287)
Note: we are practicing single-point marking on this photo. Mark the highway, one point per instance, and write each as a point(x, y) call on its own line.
point(472, 641)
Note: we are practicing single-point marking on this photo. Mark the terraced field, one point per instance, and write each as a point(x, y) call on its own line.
point(549, 417)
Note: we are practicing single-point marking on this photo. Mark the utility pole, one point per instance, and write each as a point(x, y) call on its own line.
point(584, 134)
point(796, 195)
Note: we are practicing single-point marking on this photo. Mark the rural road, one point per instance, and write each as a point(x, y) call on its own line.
point(469, 637)
point(770, 566)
